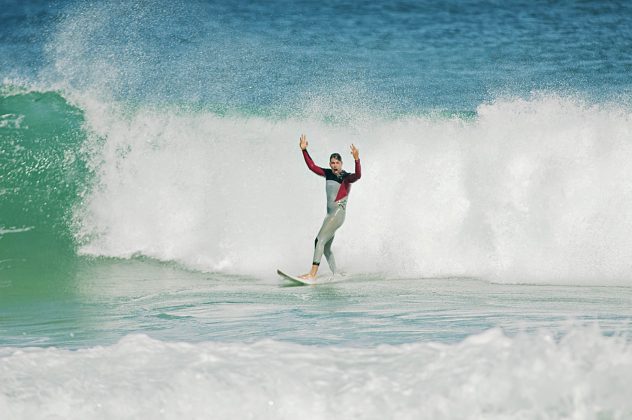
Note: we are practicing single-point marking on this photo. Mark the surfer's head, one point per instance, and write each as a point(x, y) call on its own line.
point(335, 163)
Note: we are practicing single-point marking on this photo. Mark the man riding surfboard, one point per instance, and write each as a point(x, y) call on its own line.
point(337, 186)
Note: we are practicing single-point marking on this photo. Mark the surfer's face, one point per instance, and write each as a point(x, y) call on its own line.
point(335, 165)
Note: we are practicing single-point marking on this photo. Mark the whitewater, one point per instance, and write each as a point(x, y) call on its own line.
point(527, 191)
point(151, 183)
point(486, 376)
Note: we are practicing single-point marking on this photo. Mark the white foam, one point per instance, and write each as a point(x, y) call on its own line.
point(488, 376)
point(4, 231)
point(13, 121)
point(529, 191)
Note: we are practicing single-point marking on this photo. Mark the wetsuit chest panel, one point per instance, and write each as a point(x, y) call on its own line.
point(330, 176)
point(336, 189)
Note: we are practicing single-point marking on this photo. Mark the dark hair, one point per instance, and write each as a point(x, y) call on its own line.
point(335, 156)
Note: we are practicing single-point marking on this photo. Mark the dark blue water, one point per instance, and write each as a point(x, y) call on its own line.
point(399, 57)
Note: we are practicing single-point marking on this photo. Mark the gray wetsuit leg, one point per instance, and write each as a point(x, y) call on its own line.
point(330, 256)
point(325, 237)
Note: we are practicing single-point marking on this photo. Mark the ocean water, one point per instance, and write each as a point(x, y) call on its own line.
point(151, 184)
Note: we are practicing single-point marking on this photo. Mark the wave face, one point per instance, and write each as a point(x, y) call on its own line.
point(43, 175)
point(487, 376)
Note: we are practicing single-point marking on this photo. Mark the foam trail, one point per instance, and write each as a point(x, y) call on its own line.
point(533, 191)
point(490, 375)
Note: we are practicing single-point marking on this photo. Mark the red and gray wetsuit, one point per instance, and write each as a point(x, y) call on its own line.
point(337, 188)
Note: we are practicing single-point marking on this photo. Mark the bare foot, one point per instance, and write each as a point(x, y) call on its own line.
point(306, 277)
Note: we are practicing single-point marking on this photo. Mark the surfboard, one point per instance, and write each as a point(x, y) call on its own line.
point(295, 279)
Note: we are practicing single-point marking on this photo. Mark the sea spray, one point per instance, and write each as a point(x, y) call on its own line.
point(527, 191)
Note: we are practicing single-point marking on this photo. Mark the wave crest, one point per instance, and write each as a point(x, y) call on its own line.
point(528, 191)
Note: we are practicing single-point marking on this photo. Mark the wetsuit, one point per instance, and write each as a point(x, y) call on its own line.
point(337, 188)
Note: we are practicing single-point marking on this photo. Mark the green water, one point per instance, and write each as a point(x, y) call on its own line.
point(43, 176)
point(100, 301)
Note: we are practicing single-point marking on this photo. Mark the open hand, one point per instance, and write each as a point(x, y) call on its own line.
point(355, 152)
point(303, 142)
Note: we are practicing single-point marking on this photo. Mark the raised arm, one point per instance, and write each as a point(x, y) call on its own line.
point(358, 169)
point(308, 160)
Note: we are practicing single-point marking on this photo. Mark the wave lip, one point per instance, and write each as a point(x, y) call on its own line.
point(490, 375)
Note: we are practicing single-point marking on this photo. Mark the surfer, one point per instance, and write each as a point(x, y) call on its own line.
point(337, 185)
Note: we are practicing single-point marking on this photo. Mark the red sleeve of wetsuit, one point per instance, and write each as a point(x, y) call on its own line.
point(358, 172)
point(311, 165)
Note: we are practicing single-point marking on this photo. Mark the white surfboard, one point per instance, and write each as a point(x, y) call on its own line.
point(295, 279)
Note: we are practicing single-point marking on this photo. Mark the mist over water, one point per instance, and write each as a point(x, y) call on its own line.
point(283, 57)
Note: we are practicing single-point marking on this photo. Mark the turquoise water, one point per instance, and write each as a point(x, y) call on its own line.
point(107, 300)
point(151, 184)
